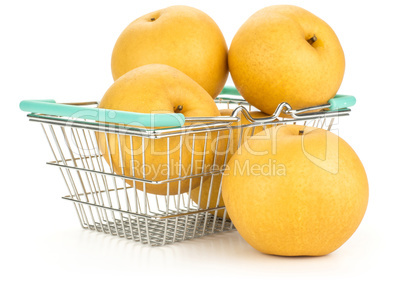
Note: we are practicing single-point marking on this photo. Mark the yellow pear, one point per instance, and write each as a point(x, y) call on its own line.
point(239, 134)
point(179, 36)
point(207, 198)
point(284, 53)
point(158, 88)
point(295, 191)
point(210, 192)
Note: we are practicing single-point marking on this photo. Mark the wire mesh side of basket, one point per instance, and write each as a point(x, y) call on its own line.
point(120, 204)
point(109, 200)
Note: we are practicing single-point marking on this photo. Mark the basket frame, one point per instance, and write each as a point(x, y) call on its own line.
point(174, 224)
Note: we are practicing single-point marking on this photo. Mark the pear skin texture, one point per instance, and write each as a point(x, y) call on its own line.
point(238, 135)
point(271, 60)
point(159, 88)
point(211, 192)
point(308, 204)
point(179, 36)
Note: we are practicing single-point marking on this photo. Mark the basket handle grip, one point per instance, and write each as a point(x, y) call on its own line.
point(50, 107)
point(341, 102)
point(336, 103)
point(230, 90)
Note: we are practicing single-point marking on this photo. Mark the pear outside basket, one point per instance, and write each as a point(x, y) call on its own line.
point(108, 200)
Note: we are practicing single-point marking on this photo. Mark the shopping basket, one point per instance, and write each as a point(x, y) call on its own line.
point(110, 200)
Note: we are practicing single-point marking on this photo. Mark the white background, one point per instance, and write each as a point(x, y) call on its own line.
point(50, 49)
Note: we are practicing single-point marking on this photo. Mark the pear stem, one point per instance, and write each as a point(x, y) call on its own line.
point(312, 39)
point(152, 19)
point(178, 109)
point(301, 132)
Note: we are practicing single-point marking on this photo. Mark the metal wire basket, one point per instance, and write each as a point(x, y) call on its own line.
point(122, 201)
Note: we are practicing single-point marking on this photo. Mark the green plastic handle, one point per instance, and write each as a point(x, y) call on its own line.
point(336, 103)
point(341, 102)
point(230, 90)
point(50, 107)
